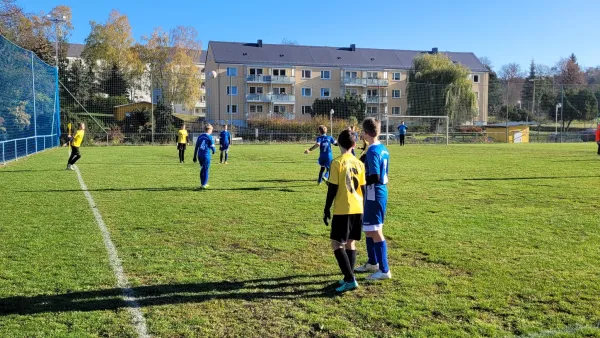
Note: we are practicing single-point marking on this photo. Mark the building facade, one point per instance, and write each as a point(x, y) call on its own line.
point(249, 79)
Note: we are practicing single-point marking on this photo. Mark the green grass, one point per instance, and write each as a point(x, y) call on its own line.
point(485, 240)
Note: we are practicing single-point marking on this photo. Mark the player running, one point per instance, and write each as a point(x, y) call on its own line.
point(224, 143)
point(182, 141)
point(204, 146)
point(323, 142)
point(75, 142)
point(376, 167)
point(345, 192)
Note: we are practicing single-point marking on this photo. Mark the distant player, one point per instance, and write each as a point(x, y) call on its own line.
point(182, 141)
point(323, 142)
point(402, 132)
point(345, 192)
point(376, 166)
point(224, 144)
point(598, 138)
point(205, 145)
point(355, 137)
point(75, 144)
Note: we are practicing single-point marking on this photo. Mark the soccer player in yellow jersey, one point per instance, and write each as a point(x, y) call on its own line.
point(345, 192)
point(75, 144)
point(182, 141)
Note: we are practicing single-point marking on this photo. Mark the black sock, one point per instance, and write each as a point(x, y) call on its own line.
point(344, 263)
point(351, 257)
point(221, 161)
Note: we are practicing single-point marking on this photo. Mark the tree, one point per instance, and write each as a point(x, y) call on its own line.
point(495, 92)
point(579, 104)
point(570, 72)
point(173, 60)
point(350, 106)
point(113, 82)
point(592, 75)
point(437, 86)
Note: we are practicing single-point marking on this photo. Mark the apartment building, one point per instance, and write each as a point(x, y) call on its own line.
point(284, 80)
point(142, 91)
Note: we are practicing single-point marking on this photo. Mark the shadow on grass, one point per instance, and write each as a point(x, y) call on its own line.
point(292, 287)
point(284, 189)
point(30, 170)
point(514, 178)
point(278, 181)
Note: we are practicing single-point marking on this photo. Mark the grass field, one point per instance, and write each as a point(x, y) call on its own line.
point(485, 240)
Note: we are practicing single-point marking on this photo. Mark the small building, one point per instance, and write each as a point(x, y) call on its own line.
point(120, 112)
point(518, 132)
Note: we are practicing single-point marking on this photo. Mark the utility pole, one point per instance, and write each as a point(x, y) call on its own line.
point(56, 21)
point(533, 100)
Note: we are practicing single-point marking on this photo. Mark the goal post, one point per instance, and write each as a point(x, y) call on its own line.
point(394, 121)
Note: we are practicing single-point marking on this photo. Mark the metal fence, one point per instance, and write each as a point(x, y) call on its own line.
point(29, 103)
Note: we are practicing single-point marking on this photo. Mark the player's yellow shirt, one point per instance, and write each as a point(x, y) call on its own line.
point(78, 138)
point(348, 173)
point(182, 136)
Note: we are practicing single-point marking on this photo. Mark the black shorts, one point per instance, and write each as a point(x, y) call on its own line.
point(75, 151)
point(345, 227)
point(180, 146)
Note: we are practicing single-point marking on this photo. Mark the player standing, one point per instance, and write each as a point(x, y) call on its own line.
point(598, 138)
point(224, 143)
point(204, 146)
point(345, 192)
point(402, 132)
point(376, 167)
point(323, 142)
point(355, 137)
point(182, 141)
point(75, 144)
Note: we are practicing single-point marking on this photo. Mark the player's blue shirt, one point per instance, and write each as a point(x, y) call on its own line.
point(206, 145)
point(402, 129)
point(376, 163)
point(325, 143)
point(224, 138)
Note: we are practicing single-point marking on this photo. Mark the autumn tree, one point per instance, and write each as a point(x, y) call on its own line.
point(570, 72)
point(437, 86)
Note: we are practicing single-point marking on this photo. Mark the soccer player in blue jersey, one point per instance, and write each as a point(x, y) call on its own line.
point(376, 168)
point(205, 145)
point(355, 136)
point(224, 143)
point(324, 142)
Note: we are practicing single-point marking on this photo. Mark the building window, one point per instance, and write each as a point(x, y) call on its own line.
point(371, 110)
point(307, 92)
point(231, 71)
point(396, 94)
point(256, 90)
point(325, 92)
point(279, 72)
point(396, 111)
point(352, 75)
point(475, 78)
point(232, 109)
point(256, 108)
point(372, 75)
point(279, 109)
point(306, 73)
point(371, 92)
point(279, 91)
point(396, 76)
point(306, 109)
point(325, 75)
point(232, 91)
point(352, 91)
point(256, 71)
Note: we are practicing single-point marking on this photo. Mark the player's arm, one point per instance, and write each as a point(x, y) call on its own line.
point(69, 140)
point(331, 192)
point(212, 145)
point(373, 166)
point(196, 149)
point(315, 146)
point(230, 139)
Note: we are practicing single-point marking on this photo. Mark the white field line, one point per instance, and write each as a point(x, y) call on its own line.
point(137, 319)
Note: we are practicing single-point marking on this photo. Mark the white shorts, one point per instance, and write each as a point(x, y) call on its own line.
point(374, 227)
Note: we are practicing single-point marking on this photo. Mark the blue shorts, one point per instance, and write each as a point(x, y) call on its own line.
point(325, 161)
point(374, 214)
point(224, 147)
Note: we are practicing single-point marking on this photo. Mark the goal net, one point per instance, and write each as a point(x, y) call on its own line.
point(419, 129)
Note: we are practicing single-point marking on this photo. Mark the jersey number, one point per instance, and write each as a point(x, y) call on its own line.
point(352, 180)
point(203, 145)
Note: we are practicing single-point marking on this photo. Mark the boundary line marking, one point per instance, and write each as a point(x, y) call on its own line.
point(138, 320)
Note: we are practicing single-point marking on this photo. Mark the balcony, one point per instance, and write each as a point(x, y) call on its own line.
point(271, 79)
point(283, 98)
point(377, 82)
point(376, 99)
point(361, 82)
point(258, 98)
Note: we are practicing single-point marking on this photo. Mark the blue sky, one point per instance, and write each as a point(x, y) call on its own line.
point(505, 31)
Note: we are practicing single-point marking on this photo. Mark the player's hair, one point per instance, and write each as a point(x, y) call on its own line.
point(81, 124)
point(183, 126)
point(322, 129)
point(372, 126)
point(345, 139)
point(208, 127)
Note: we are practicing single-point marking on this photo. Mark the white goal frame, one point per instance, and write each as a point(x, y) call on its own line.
point(387, 124)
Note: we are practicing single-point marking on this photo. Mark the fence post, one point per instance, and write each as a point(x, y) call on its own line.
point(16, 153)
point(26, 147)
point(34, 108)
point(3, 157)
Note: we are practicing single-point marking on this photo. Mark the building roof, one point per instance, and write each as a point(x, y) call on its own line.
point(344, 57)
point(76, 49)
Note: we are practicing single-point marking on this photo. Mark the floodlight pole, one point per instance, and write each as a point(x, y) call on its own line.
point(56, 21)
point(558, 105)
